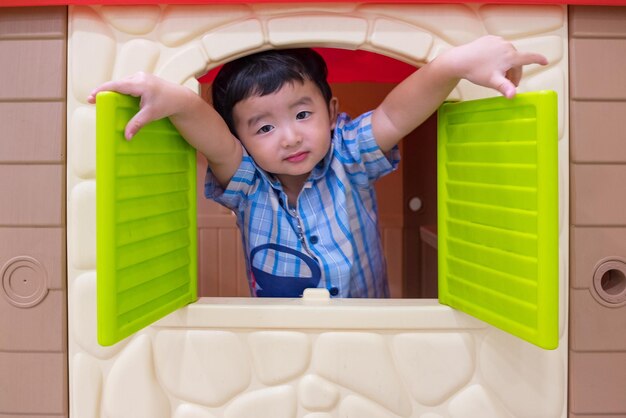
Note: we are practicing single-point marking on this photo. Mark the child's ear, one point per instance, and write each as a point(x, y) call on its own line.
point(333, 111)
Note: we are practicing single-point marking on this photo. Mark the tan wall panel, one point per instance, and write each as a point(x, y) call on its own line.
point(593, 78)
point(597, 22)
point(597, 363)
point(40, 256)
point(46, 245)
point(595, 327)
point(32, 69)
point(32, 132)
point(39, 328)
point(598, 196)
point(591, 246)
point(32, 195)
point(598, 383)
point(598, 132)
point(33, 22)
point(32, 383)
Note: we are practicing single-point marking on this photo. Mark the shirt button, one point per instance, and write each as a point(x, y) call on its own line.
point(333, 291)
point(313, 239)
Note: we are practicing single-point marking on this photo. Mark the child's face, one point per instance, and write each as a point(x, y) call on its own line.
point(286, 132)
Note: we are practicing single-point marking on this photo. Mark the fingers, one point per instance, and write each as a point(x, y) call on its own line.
point(504, 86)
point(132, 127)
point(137, 122)
point(134, 85)
point(507, 83)
point(108, 86)
point(494, 62)
point(123, 87)
point(92, 96)
point(518, 58)
point(137, 85)
point(527, 58)
point(514, 75)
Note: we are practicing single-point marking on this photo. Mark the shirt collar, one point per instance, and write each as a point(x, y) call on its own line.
point(321, 168)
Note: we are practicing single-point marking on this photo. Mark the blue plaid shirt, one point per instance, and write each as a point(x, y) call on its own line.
point(330, 238)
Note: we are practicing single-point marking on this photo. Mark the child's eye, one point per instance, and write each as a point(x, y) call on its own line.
point(303, 115)
point(265, 129)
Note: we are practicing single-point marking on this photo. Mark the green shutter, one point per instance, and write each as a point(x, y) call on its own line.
point(498, 213)
point(146, 220)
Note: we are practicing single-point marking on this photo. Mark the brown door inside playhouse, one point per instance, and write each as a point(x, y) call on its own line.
point(407, 207)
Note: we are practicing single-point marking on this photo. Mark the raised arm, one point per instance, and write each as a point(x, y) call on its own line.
point(195, 119)
point(489, 61)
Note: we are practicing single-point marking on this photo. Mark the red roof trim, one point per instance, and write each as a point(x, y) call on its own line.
point(12, 3)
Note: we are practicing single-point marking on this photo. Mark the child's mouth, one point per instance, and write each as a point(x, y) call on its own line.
point(296, 158)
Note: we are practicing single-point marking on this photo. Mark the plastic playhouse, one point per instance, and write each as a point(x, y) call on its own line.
point(222, 354)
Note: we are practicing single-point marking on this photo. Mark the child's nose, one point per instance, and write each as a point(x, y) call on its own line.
point(291, 137)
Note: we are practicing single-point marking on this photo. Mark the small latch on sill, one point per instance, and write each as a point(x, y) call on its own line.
point(316, 294)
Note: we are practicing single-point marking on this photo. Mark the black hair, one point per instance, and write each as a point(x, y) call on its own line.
point(265, 73)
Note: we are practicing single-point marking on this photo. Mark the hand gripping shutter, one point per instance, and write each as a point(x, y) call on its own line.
point(146, 220)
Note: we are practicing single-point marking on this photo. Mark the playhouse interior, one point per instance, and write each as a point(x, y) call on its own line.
point(407, 198)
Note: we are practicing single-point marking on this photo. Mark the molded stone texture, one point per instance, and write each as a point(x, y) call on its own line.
point(131, 388)
point(446, 358)
point(346, 359)
point(139, 21)
point(279, 356)
point(272, 402)
point(317, 394)
point(476, 401)
point(191, 411)
point(217, 359)
point(87, 376)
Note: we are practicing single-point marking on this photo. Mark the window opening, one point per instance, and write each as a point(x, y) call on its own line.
point(360, 80)
point(477, 139)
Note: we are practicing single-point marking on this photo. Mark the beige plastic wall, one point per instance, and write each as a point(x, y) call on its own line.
point(313, 357)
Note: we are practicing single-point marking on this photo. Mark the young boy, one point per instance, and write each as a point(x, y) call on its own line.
point(296, 172)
